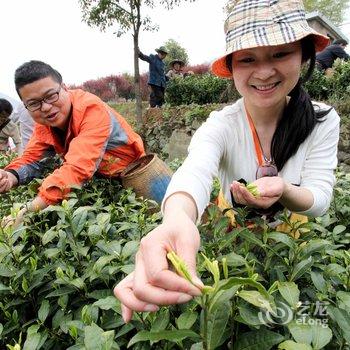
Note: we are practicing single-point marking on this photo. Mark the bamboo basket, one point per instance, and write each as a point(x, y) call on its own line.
point(148, 176)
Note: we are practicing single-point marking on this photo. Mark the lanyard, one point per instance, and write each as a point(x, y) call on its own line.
point(258, 150)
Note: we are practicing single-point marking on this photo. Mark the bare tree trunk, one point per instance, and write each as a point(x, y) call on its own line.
point(137, 81)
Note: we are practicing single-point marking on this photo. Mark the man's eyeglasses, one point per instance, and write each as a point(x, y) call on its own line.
point(35, 105)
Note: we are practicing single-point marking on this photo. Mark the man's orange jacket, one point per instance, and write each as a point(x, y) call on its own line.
point(98, 139)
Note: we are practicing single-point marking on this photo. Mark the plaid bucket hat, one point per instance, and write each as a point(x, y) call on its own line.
point(254, 23)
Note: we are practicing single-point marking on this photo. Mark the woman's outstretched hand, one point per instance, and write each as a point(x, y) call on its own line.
point(153, 283)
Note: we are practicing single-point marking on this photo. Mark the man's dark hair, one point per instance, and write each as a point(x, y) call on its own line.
point(340, 42)
point(5, 107)
point(32, 71)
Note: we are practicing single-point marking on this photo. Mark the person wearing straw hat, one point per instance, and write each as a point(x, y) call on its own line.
point(176, 69)
point(157, 78)
point(274, 137)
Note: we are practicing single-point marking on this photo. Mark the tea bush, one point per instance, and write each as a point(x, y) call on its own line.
point(270, 291)
point(334, 88)
point(199, 89)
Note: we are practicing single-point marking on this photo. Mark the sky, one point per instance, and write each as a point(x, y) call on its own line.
point(53, 31)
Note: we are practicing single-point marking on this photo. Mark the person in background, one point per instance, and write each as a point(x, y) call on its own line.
point(21, 117)
point(326, 58)
point(176, 69)
point(8, 129)
point(274, 137)
point(156, 78)
point(89, 136)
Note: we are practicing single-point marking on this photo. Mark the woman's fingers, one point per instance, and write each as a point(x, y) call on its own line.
point(168, 293)
point(126, 313)
point(236, 190)
point(124, 292)
point(155, 265)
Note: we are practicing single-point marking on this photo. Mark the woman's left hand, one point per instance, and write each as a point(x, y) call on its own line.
point(270, 190)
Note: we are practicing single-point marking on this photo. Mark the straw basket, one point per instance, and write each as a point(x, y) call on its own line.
point(149, 177)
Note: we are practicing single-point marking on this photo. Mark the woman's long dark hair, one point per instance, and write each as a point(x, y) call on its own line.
point(299, 117)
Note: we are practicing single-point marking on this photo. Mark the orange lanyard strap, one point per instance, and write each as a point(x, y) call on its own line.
point(258, 150)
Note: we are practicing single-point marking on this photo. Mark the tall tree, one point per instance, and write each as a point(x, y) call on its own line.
point(175, 51)
point(127, 16)
point(334, 10)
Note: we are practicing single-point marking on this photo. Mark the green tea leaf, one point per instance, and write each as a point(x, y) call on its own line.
point(161, 322)
point(339, 229)
point(300, 268)
point(242, 281)
point(216, 324)
point(319, 281)
point(49, 236)
point(291, 345)
point(44, 310)
point(33, 339)
point(290, 293)
point(234, 259)
point(79, 219)
point(186, 320)
point(109, 303)
point(250, 314)
point(344, 298)
point(173, 336)
point(321, 335)
point(96, 339)
point(334, 270)
point(282, 238)
point(257, 299)
point(261, 339)
point(7, 271)
point(301, 332)
point(61, 291)
point(4, 288)
point(130, 248)
point(315, 245)
point(342, 318)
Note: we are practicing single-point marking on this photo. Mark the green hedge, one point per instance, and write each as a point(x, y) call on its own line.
point(199, 89)
point(334, 89)
point(207, 88)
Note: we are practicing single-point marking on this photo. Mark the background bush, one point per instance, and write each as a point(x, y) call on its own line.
point(334, 89)
point(199, 89)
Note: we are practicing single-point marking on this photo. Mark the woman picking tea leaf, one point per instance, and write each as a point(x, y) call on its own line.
point(274, 138)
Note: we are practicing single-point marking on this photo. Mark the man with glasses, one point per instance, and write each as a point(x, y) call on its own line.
point(88, 135)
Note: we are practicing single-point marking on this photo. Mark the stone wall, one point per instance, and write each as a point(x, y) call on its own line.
point(168, 131)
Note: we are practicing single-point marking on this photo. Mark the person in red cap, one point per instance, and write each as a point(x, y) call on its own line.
point(274, 137)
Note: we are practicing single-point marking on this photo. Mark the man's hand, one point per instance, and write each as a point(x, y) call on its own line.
point(15, 220)
point(7, 181)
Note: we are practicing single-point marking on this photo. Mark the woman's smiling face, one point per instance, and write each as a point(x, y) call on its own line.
point(264, 76)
